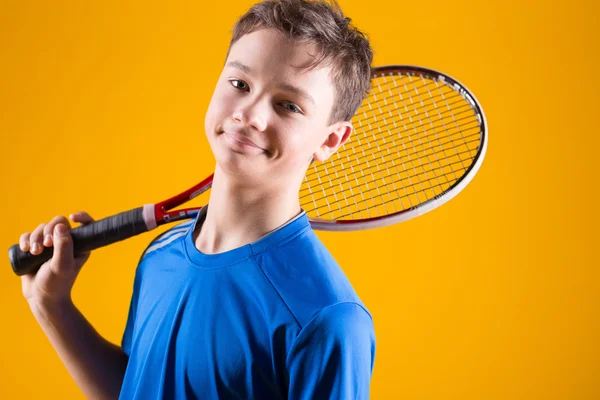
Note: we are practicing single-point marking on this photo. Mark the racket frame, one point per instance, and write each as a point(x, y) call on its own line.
point(163, 213)
point(446, 195)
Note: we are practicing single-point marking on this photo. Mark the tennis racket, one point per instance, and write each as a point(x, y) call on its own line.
point(420, 137)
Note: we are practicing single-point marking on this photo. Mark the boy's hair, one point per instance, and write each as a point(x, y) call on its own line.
point(341, 46)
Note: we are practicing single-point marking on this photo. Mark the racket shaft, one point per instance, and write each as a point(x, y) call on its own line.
point(85, 238)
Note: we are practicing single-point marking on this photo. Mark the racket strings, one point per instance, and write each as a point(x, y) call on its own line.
point(424, 104)
point(411, 143)
point(387, 158)
point(468, 125)
point(433, 134)
point(422, 125)
point(415, 132)
point(368, 209)
point(406, 177)
point(401, 91)
point(420, 186)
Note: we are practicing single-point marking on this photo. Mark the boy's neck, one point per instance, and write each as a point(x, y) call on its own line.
point(239, 214)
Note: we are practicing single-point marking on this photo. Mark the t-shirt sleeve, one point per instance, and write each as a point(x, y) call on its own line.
point(128, 333)
point(127, 338)
point(333, 355)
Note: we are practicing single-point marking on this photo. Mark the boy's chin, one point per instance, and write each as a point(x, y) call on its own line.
point(240, 165)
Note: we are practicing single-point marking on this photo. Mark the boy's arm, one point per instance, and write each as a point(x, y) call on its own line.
point(333, 356)
point(96, 365)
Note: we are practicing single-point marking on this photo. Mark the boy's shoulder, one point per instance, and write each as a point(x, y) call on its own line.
point(168, 236)
point(306, 276)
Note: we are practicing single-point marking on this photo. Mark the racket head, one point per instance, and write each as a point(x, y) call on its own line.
point(419, 138)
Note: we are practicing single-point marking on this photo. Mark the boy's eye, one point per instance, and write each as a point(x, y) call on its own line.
point(292, 107)
point(238, 84)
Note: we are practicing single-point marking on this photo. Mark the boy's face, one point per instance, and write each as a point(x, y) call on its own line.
point(269, 115)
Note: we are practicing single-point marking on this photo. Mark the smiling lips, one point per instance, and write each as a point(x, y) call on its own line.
point(238, 137)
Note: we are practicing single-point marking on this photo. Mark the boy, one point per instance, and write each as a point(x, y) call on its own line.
point(243, 302)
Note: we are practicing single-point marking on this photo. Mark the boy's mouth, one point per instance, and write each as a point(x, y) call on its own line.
point(241, 139)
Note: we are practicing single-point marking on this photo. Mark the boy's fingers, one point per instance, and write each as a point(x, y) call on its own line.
point(49, 229)
point(62, 259)
point(35, 239)
point(24, 241)
point(47, 234)
point(81, 217)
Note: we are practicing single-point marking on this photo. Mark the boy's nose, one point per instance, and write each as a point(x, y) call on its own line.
point(251, 116)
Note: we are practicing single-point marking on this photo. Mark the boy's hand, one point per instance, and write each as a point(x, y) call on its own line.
point(54, 280)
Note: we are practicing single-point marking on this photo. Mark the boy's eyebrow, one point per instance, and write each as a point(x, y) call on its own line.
point(240, 66)
point(283, 86)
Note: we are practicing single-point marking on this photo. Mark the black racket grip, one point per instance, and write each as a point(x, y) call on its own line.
point(85, 238)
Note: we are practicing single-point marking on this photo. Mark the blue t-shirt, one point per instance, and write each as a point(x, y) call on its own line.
point(274, 319)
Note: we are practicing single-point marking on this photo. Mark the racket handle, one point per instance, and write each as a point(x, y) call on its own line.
point(85, 238)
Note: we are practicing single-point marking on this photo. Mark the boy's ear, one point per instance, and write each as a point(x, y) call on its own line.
point(337, 135)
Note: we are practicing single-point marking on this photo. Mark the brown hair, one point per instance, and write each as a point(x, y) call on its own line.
point(322, 23)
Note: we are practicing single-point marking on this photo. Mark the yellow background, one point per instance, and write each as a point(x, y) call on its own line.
point(495, 295)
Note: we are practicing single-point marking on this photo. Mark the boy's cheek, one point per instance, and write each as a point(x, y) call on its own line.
point(296, 152)
point(218, 109)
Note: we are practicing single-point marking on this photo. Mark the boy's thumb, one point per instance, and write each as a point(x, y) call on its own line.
point(62, 259)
